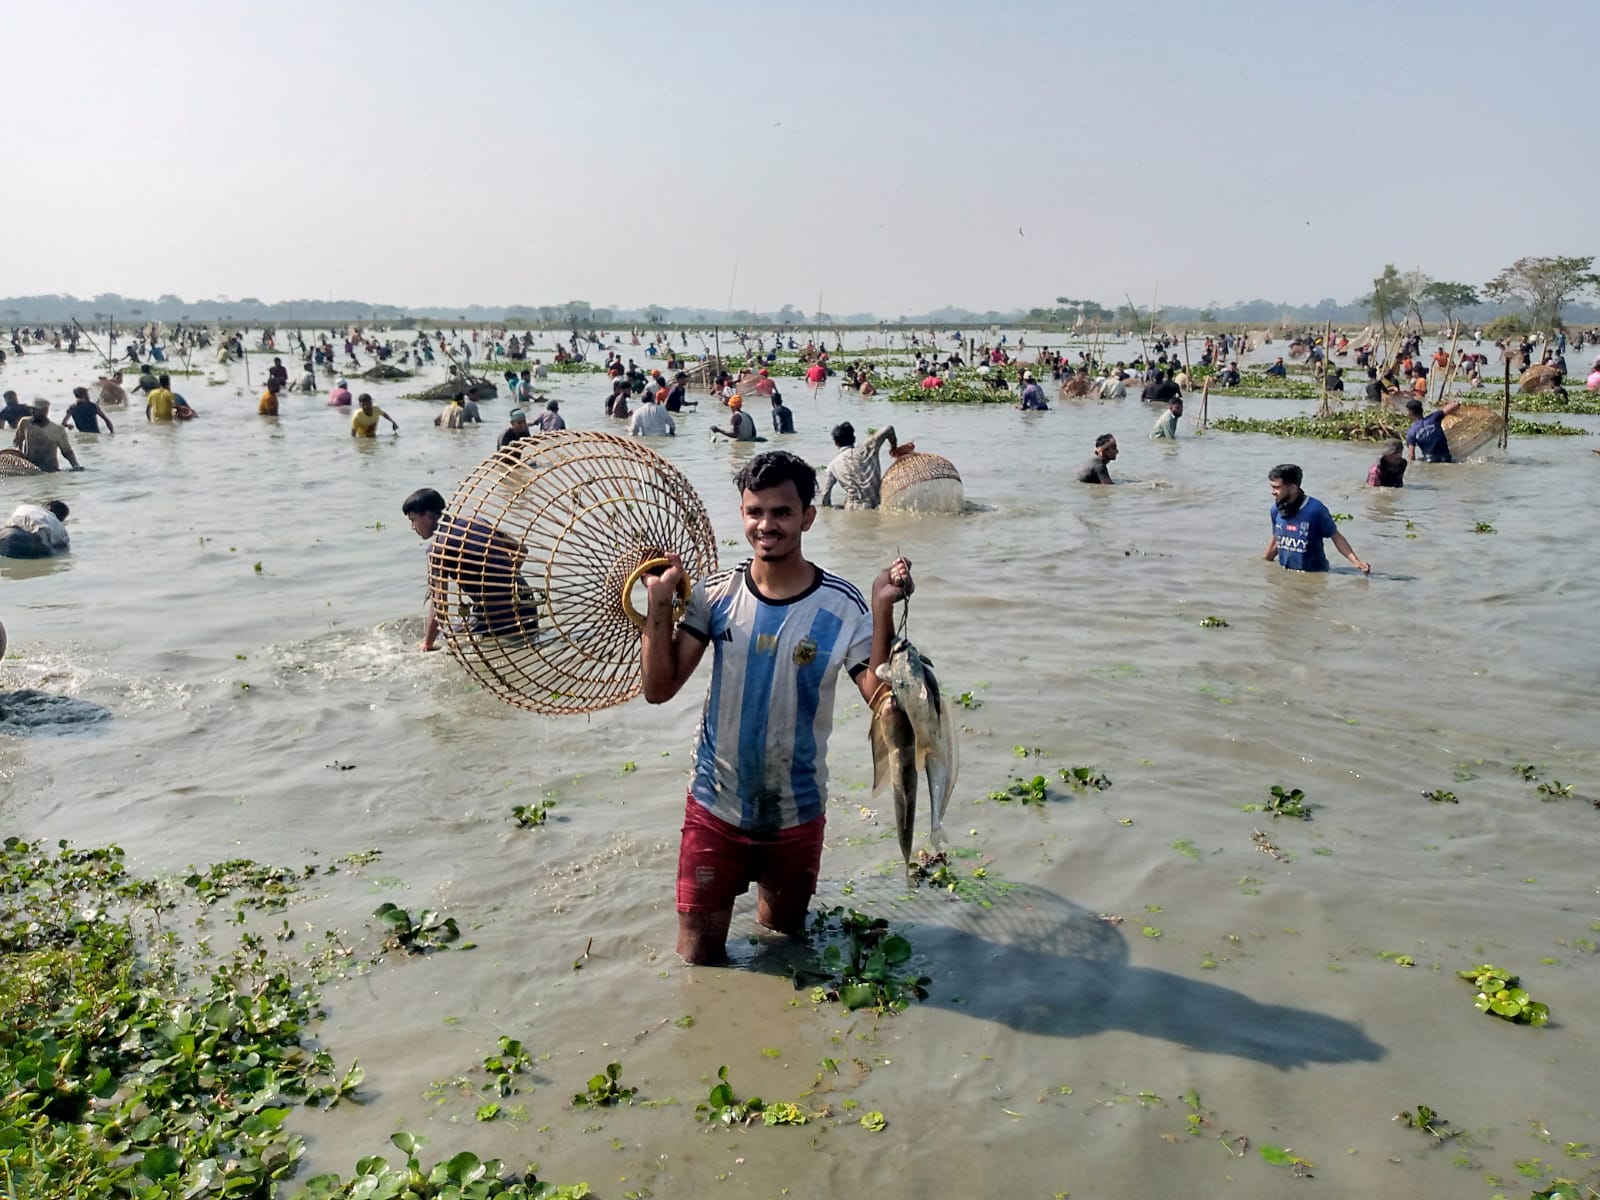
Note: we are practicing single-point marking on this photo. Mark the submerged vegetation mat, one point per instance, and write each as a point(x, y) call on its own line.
point(1370, 425)
point(133, 1064)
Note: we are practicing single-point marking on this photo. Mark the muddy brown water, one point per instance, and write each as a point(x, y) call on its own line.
point(1072, 614)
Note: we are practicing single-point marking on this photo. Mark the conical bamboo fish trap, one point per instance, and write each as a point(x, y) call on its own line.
point(1470, 428)
point(922, 483)
point(13, 463)
point(534, 569)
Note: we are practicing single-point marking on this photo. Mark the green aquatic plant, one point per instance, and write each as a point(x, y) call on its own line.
point(503, 1067)
point(1483, 527)
point(968, 700)
point(1499, 995)
point(1283, 802)
point(1213, 623)
point(865, 965)
point(1554, 789)
point(417, 934)
point(605, 1090)
point(976, 885)
point(723, 1107)
point(121, 1073)
point(1366, 425)
point(1029, 791)
point(1426, 1120)
point(529, 815)
point(1440, 796)
point(1082, 778)
point(955, 391)
point(462, 1177)
point(1543, 429)
point(1280, 1156)
point(253, 884)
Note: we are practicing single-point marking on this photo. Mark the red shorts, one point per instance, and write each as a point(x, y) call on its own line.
point(717, 862)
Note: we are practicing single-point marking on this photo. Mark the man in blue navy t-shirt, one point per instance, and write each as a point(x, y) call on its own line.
point(1427, 432)
point(1299, 525)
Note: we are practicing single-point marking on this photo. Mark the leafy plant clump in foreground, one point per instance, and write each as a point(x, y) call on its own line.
point(605, 1090)
point(119, 1076)
point(1283, 802)
point(463, 1177)
point(126, 1074)
point(1428, 1121)
point(1499, 995)
point(867, 969)
point(417, 934)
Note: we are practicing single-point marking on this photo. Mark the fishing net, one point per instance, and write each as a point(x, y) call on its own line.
point(922, 483)
point(1075, 386)
point(1471, 427)
point(534, 572)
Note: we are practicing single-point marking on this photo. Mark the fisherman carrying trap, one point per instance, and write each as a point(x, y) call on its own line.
point(781, 629)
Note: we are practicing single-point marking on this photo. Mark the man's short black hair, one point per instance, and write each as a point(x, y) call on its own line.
point(1414, 407)
point(423, 500)
point(1288, 472)
point(164, 380)
point(59, 507)
point(1104, 440)
point(844, 434)
point(776, 468)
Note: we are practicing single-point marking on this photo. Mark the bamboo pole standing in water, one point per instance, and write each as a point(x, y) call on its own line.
point(1205, 400)
point(1505, 414)
point(1450, 363)
point(1327, 336)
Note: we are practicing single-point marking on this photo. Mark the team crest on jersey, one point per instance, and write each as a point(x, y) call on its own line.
point(805, 652)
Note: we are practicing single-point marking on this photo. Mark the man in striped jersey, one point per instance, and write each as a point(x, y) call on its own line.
point(781, 629)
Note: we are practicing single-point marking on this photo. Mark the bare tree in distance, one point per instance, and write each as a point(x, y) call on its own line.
point(1545, 284)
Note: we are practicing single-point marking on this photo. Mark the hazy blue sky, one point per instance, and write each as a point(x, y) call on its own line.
point(882, 155)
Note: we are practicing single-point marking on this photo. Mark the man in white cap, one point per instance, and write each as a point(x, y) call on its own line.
point(40, 439)
point(1032, 394)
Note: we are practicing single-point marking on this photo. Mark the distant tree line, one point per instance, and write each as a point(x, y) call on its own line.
point(1540, 291)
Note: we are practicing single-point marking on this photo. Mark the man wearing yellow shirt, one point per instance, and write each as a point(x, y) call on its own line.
point(158, 401)
point(364, 421)
point(269, 399)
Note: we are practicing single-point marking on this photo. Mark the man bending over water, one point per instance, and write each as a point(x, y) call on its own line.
point(485, 563)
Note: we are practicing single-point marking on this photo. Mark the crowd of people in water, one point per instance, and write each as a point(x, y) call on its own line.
point(649, 400)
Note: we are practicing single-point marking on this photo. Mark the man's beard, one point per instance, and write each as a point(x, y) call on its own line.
point(1287, 507)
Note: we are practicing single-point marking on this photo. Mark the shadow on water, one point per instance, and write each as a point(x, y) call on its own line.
point(1040, 964)
point(30, 711)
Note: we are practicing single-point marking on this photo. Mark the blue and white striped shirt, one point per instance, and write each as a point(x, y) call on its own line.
point(761, 753)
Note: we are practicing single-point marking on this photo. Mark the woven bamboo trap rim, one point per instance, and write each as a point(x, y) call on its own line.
point(911, 469)
point(12, 462)
point(532, 568)
point(1471, 427)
